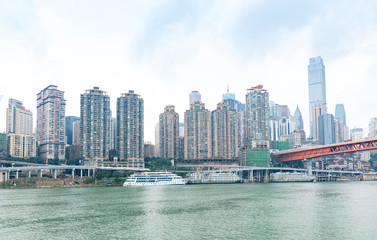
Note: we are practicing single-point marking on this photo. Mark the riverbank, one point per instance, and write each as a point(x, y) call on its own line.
point(59, 182)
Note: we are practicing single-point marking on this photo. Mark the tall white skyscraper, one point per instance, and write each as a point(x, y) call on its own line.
point(195, 97)
point(51, 123)
point(317, 86)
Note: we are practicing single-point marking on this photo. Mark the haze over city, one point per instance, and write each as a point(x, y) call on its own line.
point(165, 49)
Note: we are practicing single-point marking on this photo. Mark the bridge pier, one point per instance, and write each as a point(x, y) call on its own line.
point(81, 173)
point(17, 174)
point(309, 165)
point(29, 174)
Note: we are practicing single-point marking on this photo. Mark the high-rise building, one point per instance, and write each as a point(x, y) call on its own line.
point(51, 123)
point(357, 134)
point(339, 130)
point(181, 150)
point(19, 119)
point(372, 133)
point(76, 134)
point(149, 150)
point(277, 111)
point(130, 129)
point(69, 128)
point(95, 126)
point(317, 86)
point(113, 133)
point(317, 111)
point(157, 138)
point(224, 132)
point(299, 123)
point(197, 132)
point(230, 99)
point(169, 133)
point(281, 129)
point(181, 129)
point(3, 144)
point(326, 129)
point(21, 146)
point(21, 142)
point(241, 129)
point(195, 97)
point(340, 113)
point(257, 118)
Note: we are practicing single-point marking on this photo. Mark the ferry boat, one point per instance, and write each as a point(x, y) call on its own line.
point(291, 177)
point(213, 178)
point(154, 179)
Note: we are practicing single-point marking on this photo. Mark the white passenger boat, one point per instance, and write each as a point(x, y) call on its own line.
point(154, 179)
point(291, 177)
point(213, 178)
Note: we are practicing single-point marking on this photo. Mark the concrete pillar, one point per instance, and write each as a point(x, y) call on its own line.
point(252, 175)
point(266, 177)
point(73, 173)
point(40, 173)
point(309, 166)
point(94, 172)
point(29, 174)
point(88, 172)
point(17, 174)
point(55, 173)
point(80, 173)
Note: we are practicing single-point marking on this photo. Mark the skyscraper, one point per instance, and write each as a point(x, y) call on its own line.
point(69, 128)
point(20, 139)
point(230, 99)
point(224, 132)
point(197, 141)
point(299, 123)
point(317, 111)
point(169, 133)
point(257, 118)
point(51, 123)
point(130, 129)
point(340, 113)
point(19, 119)
point(94, 126)
point(113, 133)
point(317, 86)
point(195, 97)
point(372, 128)
point(326, 129)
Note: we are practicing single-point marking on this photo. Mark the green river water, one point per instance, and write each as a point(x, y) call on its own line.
point(346, 210)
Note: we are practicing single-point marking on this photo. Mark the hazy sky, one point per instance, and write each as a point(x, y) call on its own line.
point(164, 49)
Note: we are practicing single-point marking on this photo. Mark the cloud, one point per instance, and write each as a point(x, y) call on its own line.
point(165, 49)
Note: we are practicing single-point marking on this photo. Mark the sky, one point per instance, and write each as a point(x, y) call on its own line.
point(165, 49)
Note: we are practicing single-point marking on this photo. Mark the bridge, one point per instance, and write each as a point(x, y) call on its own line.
point(55, 170)
point(339, 148)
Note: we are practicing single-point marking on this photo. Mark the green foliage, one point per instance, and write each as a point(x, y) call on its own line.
point(158, 164)
point(89, 180)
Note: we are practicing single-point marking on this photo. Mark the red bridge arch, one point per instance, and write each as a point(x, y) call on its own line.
point(339, 148)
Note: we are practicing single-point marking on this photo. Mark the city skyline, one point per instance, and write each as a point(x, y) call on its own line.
point(164, 50)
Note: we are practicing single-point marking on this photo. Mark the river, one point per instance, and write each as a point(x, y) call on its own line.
point(346, 210)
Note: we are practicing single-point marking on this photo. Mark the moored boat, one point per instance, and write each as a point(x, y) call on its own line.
point(213, 178)
point(154, 179)
point(291, 177)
